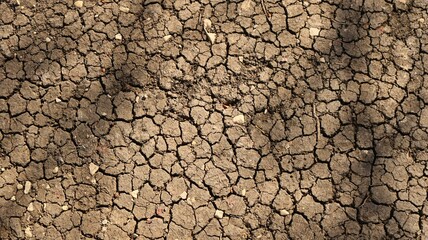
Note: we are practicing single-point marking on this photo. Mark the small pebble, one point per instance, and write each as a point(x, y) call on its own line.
point(284, 212)
point(124, 9)
point(219, 214)
point(93, 168)
point(167, 37)
point(27, 187)
point(55, 170)
point(207, 23)
point(240, 119)
point(104, 222)
point(243, 192)
point(48, 39)
point(57, 100)
point(30, 207)
point(134, 193)
point(118, 36)
point(28, 233)
point(183, 195)
point(13, 198)
point(64, 208)
point(19, 186)
point(314, 31)
point(78, 4)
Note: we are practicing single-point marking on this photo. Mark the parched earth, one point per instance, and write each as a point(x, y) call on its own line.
point(243, 119)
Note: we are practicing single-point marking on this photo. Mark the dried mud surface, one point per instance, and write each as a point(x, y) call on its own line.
point(253, 119)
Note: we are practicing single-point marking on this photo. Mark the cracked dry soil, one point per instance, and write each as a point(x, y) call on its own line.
point(243, 119)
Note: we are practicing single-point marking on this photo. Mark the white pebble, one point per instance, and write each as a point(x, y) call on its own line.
point(93, 168)
point(183, 195)
point(27, 187)
point(65, 207)
point(118, 36)
point(124, 9)
point(240, 119)
point(30, 207)
point(284, 212)
point(55, 170)
point(219, 214)
point(28, 233)
point(19, 186)
point(134, 193)
point(167, 37)
point(314, 31)
point(78, 4)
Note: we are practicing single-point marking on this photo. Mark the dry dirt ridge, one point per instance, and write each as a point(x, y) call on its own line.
point(253, 119)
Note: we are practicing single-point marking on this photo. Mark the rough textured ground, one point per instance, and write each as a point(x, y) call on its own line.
point(254, 119)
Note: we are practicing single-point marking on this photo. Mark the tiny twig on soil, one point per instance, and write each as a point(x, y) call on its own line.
point(364, 200)
point(265, 10)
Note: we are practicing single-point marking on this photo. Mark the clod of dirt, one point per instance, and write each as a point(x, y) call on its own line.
point(78, 4)
point(247, 7)
point(240, 119)
point(93, 168)
point(27, 187)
